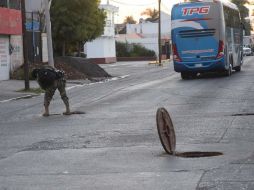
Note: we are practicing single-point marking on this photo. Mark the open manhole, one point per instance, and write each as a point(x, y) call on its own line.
point(197, 154)
point(243, 114)
point(72, 113)
point(78, 112)
point(167, 136)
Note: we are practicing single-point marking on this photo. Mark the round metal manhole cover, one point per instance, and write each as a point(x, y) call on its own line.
point(166, 130)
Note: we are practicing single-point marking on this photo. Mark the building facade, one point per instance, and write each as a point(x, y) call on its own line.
point(11, 45)
point(11, 40)
point(102, 50)
point(36, 35)
point(145, 33)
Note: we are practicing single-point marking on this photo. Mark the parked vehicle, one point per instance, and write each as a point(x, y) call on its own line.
point(206, 36)
point(248, 42)
point(247, 51)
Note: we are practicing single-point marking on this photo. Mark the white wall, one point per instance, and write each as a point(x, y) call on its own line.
point(149, 32)
point(44, 47)
point(34, 5)
point(101, 48)
point(104, 46)
point(151, 29)
point(16, 58)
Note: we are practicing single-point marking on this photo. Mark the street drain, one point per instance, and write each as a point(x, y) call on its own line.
point(167, 136)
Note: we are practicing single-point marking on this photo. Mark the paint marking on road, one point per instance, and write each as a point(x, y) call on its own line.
point(149, 84)
point(136, 87)
point(17, 98)
point(68, 88)
point(99, 82)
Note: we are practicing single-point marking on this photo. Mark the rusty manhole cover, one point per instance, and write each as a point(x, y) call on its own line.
point(168, 139)
point(166, 130)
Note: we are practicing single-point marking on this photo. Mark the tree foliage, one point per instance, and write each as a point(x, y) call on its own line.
point(244, 13)
point(129, 20)
point(75, 21)
point(152, 14)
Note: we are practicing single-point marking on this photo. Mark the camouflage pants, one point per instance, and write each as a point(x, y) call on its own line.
point(50, 91)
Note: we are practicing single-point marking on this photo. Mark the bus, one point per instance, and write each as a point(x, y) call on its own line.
point(207, 36)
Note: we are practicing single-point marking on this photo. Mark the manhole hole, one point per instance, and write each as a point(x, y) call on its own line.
point(197, 154)
point(72, 113)
point(78, 112)
point(167, 136)
point(243, 114)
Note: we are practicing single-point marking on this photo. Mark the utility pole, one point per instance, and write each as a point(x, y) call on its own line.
point(49, 35)
point(159, 33)
point(25, 52)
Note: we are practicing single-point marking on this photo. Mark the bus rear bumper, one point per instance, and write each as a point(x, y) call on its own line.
point(205, 66)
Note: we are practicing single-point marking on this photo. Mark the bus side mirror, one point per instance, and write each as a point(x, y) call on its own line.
point(243, 26)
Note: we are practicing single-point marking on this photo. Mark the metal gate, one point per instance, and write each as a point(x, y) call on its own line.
point(34, 47)
point(4, 58)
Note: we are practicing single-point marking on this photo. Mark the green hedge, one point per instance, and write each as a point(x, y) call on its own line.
point(132, 50)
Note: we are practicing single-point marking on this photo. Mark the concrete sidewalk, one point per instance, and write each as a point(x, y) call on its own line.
point(9, 89)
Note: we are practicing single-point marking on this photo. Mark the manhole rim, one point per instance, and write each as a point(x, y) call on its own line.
point(170, 145)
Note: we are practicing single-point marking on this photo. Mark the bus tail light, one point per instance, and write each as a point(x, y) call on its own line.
point(220, 50)
point(176, 56)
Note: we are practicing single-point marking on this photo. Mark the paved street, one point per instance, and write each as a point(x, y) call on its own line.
point(115, 145)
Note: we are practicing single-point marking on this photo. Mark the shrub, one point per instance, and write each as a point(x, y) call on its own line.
point(122, 49)
point(132, 50)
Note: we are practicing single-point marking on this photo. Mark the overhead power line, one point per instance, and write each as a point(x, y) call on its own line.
point(133, 4)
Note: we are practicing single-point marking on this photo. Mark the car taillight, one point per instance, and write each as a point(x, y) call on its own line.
point(175, 54)
point(220, 50)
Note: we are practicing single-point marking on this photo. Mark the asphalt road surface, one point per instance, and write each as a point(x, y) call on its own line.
point(115, 145)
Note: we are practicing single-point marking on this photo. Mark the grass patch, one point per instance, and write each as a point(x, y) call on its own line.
point(32, 90)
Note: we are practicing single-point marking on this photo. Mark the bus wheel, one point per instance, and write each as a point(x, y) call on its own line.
point(228, 72)
point(238, 68)
point(193, 75)
point(185, 75)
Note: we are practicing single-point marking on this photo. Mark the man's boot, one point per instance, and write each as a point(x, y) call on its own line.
point(46, 113)
point(67, 106)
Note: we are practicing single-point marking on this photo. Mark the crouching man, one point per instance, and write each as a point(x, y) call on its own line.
point(49, 80)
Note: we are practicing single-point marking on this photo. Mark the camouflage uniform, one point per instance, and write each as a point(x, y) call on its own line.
point(50, 88)
point(50, 91)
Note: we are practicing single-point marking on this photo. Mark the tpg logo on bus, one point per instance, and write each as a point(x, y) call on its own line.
point(195, 10)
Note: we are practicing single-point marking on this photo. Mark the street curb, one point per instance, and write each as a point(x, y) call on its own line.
point(20, 98)
point(157, 62)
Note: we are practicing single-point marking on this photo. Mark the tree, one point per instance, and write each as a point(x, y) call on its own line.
point(152, 14)
point(129, 20)
point(244, 12)
point(74, 23)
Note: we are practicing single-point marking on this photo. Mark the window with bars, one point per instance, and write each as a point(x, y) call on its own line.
point(3, 3)
point(12, 4)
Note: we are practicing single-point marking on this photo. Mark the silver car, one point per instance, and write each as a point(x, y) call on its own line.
point(247, 51)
